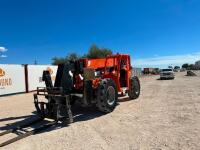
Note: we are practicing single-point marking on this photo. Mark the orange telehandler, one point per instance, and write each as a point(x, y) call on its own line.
point(94, 82)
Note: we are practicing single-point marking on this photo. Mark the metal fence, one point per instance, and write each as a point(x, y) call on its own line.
point(137, 71)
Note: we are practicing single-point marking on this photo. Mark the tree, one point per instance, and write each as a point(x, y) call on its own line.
point(96, 52)
point(67, 59)
point(186, 65)
point(170, 67)
point(58, 60)
point(191, 67)
point(93, 52)
point(72, 57)
point(177, 67)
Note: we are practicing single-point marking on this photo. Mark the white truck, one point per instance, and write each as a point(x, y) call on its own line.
point(167, 74)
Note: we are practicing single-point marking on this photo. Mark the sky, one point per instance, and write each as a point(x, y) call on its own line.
point(155, 33)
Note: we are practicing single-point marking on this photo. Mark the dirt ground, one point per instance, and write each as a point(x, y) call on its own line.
point(166, 116)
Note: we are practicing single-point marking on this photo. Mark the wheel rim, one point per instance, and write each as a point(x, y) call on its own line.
point(110, 94)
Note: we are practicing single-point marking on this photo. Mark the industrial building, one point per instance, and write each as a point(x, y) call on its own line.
point(197, 64)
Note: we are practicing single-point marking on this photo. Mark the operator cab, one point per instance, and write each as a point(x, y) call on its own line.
point(118, 68)
point(124, 71)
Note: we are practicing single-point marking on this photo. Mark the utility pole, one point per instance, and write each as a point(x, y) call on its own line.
point(35, 62)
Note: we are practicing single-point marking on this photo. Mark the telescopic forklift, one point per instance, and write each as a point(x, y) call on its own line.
point(92, 82)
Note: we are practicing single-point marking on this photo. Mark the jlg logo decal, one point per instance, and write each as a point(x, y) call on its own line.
point(51, 73)
point(4, 81)
point(50, 70)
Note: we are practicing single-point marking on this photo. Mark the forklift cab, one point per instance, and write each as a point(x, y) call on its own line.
point(118, 68)
point(124, 68)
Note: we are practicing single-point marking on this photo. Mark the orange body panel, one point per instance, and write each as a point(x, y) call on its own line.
point(114, 62)
point(98, 63)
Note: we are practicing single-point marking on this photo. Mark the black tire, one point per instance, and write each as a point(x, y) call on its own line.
point(107, 96)
point(134, 91)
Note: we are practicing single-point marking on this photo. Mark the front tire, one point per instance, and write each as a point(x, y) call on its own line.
point(107, 96)
point(134, 89)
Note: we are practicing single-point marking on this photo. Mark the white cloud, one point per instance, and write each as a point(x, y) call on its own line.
point(164, 61)
point(3, 56)
point(3, 49)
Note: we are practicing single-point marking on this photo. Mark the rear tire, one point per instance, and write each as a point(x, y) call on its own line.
point(107, 96)
point(134, 91)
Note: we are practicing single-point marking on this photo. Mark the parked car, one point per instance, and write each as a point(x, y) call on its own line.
point(176, 70)
point(167, 74)
point(182, 70)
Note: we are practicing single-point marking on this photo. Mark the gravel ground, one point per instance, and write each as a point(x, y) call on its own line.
point(166, 116)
